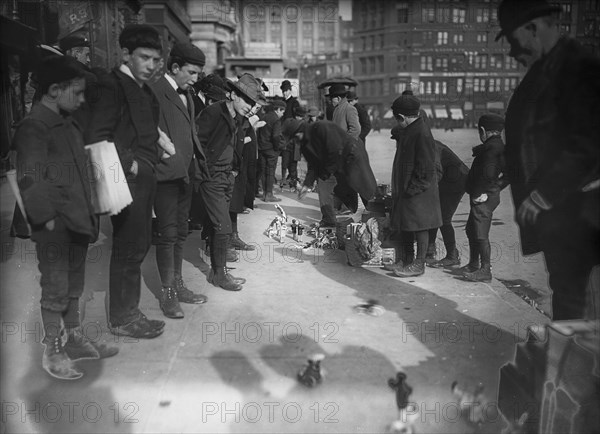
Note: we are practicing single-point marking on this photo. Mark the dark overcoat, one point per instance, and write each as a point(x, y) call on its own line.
point(364, 120)
point(553, 137)
point(415, 194)
point(245, 157)
point(52, 172)
point(486, 168)
point(454, 171)
point(177, 121)
point(329, 150)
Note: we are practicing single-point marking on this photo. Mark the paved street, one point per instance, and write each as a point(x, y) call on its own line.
point(230, 366)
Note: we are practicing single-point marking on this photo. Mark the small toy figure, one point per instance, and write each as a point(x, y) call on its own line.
point(278, 226)
point(310, 375)
point(474, 404)
point(402, 389)
point(294, 229)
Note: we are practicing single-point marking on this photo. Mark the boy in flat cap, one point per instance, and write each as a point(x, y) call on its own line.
point(415, 194)
point(552, 157)
point(222, 135)
point(483, 187)
point(176, 173)
point(270, 143)
point(60, 211)
point(127, 113)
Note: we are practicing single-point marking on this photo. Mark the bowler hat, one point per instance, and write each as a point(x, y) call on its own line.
point(72, 41)
point(250, 87)
point(407, 105)
point(491, 122)
point(189, 53)
point(285, 85)
point(337, 89)
point(514, 13)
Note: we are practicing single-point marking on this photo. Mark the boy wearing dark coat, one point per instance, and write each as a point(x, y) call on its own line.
point(415, 194)
point(54, 184)
point(270, 143)
point(176, 173)
point(221, 134)
point(483, 187)
point(127, 114)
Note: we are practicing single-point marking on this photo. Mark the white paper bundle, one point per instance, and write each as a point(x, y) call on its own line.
point(110, 192)
point(11, 175)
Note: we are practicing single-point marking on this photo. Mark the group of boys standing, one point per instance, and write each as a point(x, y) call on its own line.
point(162, 154)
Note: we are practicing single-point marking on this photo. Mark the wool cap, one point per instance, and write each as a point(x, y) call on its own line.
point(491, 122)
point(407, 105)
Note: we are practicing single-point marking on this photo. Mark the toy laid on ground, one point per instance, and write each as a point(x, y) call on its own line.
point(472, 403)
point(310, 375)
point(278, 226)
point(407, 415)
point(371, 307)
point(325, 237)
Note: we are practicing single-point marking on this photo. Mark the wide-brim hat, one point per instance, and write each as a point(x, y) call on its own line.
point(250, 87)
point(512, 14)
point(337, 89)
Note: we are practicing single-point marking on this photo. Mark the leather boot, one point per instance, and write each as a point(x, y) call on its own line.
point(415, 269)
point(185, 295)
point(452, 259)
point(239, 280)
point(78, 346)
point(169, 303)
point(221, 278)
point(232, 255)
point(55, 359)
point(236, 242)
point(484, 274)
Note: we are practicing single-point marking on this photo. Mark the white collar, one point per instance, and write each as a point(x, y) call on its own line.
point(127, 71)
point(172, 82)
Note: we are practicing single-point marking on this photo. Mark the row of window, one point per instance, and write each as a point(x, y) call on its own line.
point(257, 31)
point(372, 65)
point(456, 62)
point(428, 38)
point(456, 87)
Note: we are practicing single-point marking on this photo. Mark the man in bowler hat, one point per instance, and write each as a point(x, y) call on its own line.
point(291, 103)
point(552, 159)
point(176, 173)
point(344, 114)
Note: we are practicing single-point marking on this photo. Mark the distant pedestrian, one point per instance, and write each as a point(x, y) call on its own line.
point(363, 116)
point(291, 102)
point(483, 186)
point(270, 142)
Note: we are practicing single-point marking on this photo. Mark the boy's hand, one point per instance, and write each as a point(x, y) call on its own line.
point(50, 225)
point(481, 198)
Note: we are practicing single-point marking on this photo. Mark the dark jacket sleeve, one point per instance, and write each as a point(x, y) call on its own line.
point(424, 171)
point(365, 122)
point(31, 143)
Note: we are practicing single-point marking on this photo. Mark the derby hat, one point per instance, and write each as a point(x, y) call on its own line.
point(249, 87)
point(337, 89)
point(512, 14)
point(285, 85)
point(72, 41)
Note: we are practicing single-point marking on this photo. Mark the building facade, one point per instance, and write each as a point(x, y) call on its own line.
point(442, 50)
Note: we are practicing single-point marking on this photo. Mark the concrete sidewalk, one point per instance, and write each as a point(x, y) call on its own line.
point(230, 365)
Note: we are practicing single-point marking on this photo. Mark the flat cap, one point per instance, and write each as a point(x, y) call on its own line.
point(491, 122)
point(72, 41)
point(313, 111)
point(300, 111)
point(277, 103)
point(514, 13)
point(407, 105)
point(189, 53)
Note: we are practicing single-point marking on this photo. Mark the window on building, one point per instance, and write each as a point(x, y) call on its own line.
point(496, 61)
point(258, 31)
point(379, 39)
point(403, 39)
point(428, 88)
point(442, 38)
point(363, 43)
point(459, 15)
point(459, 85)
point(292, 44)
point(506, 84)
point(371, 44)
point(292, 30)
point(565, 29)
point(443, 14)
point(426, 63)
point(494, 16)
point(482, 84)
point(330, 70)
point(402, 12)
point(275, 32)
point(307, 45)
point(475, 85)
point(482, 37)
point(421, 87)
point(363, 65)
point(428, 14)
point(436, 90)
point(307, 12)
point(372, 65)
point(275, 13)
point(427, 37)
point(513, 83)
point(482, 15)
point(565, 13)
point(402, 62)
point(307, 30)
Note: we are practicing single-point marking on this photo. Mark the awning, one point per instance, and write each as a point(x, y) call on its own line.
point(441, 113)
point(456, 113)
point(428, 111)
